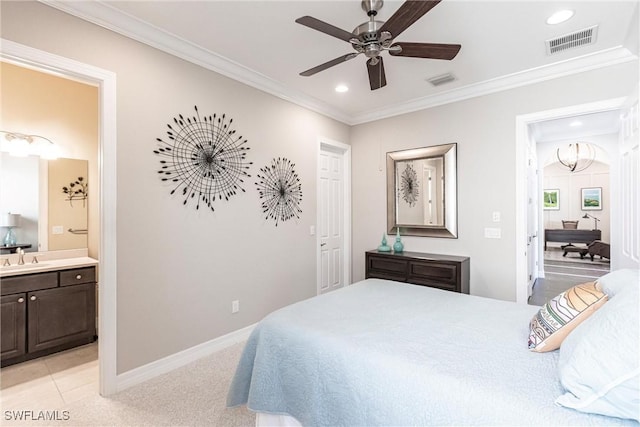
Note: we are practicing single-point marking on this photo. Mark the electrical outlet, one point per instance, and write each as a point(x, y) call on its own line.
point(235, 306)
point(496, 216)
point(492, 233)
point(57, 229)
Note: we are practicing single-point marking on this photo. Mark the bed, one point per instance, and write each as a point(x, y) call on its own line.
point(380, 352)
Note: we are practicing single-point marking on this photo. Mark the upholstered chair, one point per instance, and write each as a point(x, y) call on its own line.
point(598, 247)
point(569, 225)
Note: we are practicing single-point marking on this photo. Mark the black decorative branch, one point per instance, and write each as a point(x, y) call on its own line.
point(409, 185)
point(77, 190)
point(204, 158)
point(280, 190)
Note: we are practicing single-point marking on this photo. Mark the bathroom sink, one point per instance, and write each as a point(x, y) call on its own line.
point(28, 266)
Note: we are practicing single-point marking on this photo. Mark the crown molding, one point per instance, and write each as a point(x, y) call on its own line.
point(601, 59)
point(122, 23)
point(129, 26)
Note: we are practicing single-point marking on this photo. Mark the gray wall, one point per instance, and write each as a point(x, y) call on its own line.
point(178, 268)
point(485, 131)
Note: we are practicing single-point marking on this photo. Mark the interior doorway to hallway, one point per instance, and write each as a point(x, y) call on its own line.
point(530, 228)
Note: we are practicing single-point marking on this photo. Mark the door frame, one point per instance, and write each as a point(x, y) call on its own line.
point(522, 121)
point(40, 60)
point(345, 150)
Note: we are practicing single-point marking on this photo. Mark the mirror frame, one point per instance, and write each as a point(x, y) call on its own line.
point(450, 228)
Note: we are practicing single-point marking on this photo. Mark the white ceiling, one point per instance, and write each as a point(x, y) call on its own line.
point(576, 127)
point(258, 42)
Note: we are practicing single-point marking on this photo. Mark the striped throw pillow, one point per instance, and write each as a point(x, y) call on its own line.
point(557, 318)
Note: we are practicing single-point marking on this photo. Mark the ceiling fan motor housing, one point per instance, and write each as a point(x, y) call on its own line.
point(371, 6)
point(369, 41)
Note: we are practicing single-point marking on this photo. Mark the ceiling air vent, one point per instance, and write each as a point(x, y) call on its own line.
point(573, 40)
point(441, 79)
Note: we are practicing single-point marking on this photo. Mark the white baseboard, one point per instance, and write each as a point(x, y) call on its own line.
point(177, 360)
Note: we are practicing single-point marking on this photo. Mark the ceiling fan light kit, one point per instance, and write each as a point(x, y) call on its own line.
point(373, 37)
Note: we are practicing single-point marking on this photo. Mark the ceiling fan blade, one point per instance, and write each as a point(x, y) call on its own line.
point(377, 78)
point(427, 50)
point(407, 14)
point(323, 27)
point(329, 64)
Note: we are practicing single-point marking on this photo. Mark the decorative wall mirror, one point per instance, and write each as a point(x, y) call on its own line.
point(422, 191)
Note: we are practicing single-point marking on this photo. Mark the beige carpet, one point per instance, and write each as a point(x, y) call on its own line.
point(194, 395)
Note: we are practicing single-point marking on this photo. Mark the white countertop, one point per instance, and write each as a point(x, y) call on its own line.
point(46, 262)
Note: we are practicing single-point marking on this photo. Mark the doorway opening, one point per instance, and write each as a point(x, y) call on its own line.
point(35, 59)
point(530, 161)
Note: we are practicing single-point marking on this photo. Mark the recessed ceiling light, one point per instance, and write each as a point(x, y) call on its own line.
point(560, 16)
point(341, 88)
point(575, 123)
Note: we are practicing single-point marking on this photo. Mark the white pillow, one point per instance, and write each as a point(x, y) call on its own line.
point(614, 282)
point(599, 363)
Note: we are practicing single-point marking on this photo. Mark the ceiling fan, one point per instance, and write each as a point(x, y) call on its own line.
point(374, 37)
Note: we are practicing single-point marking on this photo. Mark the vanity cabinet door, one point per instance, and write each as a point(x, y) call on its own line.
point(61, 316)
point(13, 310)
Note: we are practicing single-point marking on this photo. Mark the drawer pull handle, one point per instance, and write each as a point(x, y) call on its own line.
point(33, 298)
point(21, 300)
point(79, 276)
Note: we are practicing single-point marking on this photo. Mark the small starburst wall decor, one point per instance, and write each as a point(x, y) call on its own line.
point(409, 185)
point(204, 158)
point(280, 189)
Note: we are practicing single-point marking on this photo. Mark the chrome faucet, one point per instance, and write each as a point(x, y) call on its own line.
point(20, 253)
point(6, 262)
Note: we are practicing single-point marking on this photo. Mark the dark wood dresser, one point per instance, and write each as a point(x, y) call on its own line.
point(448, 272)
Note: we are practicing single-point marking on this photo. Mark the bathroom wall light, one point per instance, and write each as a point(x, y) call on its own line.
point(23, 145)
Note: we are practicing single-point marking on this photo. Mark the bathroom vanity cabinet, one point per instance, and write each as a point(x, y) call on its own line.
point(42, 313)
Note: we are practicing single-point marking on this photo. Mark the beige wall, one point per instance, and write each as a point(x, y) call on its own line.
point(66, 212)
point(62, 110)
point(178, 268)
point(485, 131)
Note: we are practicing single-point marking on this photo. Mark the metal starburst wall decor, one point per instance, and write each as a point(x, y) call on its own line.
point(204, 158)
point(409, 185)
point(280, 190)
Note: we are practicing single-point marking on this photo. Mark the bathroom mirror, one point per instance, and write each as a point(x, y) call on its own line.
point(51, 218)
point(422, 191)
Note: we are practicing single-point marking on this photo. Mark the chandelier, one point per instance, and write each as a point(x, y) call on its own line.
point(576, 157)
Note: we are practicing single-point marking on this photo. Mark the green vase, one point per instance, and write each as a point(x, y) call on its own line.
point(398, 246)
point(383, 246)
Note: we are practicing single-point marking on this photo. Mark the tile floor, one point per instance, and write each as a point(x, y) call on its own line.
point(50, 382)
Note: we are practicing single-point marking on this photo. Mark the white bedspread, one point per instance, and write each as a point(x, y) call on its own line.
point(385, 353)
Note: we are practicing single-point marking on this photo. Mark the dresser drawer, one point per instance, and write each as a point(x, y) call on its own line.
point(433, 272)
point(29, 282)
point(381, 267)
point(77, 276)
